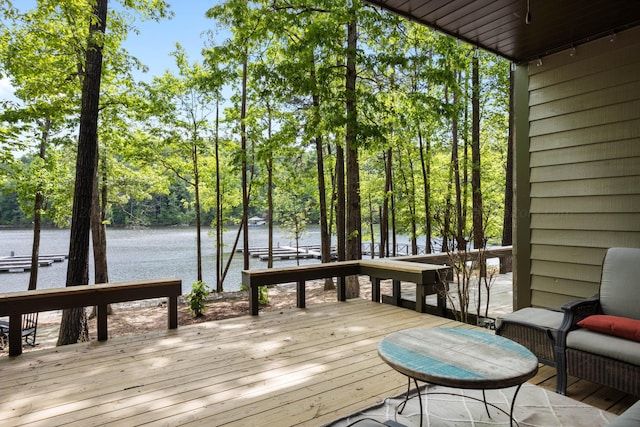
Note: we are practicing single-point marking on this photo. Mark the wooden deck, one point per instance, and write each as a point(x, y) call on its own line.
point(295, 367)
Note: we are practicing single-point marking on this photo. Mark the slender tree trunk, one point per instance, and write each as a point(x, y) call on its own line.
point(340, 205)
point(73, 325)
point(325, 235)
point(270, 208)
point(98, 229)
point(476, 189)
point(219, 243)
point(460, 240)
point(384, 217)
point(98, 232)
point(394, 234)
point(37, 211)
point(409, 190)
point(507, 224)
point(425, 163)
point(354, 219)
point(245, 184)
point(373, 237)
point(196, 186)
point(270, 197)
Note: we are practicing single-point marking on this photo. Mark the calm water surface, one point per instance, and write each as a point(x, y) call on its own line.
point(149, 253)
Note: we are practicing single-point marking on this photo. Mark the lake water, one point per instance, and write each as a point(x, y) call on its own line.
point(149, 253)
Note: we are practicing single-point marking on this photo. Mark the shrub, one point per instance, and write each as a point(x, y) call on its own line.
point(197, 298)
point(263, 294)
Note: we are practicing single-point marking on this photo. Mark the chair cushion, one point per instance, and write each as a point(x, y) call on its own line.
point(535, 317)
point(605, 345)
point(613, 325)
point(620, 283)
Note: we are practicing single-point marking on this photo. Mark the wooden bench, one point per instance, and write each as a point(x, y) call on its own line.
point(425, 276)
point(272, 276)
point(15, 304)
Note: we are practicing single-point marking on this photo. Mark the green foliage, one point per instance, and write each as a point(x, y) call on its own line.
point(197, 298)
point(156, 137)
point(263, 293)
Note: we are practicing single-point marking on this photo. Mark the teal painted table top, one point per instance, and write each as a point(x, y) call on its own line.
point(460, 358)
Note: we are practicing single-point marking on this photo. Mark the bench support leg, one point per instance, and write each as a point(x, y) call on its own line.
point(420, 297)
point(172, 314)
point(300, 294)
point(102, 322)
point(397, 290)
point(254, 303)
point(15, 335)
point(375, 289)
point(342, 288)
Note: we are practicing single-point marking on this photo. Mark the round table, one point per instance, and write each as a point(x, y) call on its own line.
point(459, 358)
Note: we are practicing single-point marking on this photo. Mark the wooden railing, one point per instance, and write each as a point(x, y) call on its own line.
point(15, 304)
point(426, 271)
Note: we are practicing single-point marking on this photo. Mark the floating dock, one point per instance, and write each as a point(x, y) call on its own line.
point(20, 264)
point(286, 252)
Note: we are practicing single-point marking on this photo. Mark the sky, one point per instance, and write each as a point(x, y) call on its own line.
point(157, 39)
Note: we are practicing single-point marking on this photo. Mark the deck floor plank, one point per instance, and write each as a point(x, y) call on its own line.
point(295, 367)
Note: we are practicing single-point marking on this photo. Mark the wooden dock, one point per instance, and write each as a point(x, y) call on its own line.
point(286, 252)
point(20, 264)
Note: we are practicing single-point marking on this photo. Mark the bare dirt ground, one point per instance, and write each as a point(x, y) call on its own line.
point(142, 316)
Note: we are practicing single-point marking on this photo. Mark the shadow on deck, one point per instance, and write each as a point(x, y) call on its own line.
point(294, 367)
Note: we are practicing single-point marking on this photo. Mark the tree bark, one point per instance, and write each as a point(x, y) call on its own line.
point(245, 184)
point(507, 224)
point(476, 189)
point(325, 235)
point(354, 219)
point(460, 240)
point(196, 185)
point(73, 325)
point(98, 232)
point(384, 221)
point(37, 211)
point(98, 229)
point(340, 205)
point(219, 246)
point(425, 163)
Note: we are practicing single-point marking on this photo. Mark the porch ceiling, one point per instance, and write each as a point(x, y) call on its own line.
point(499, 25)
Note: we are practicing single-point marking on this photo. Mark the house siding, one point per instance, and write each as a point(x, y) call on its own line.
point(584, 164)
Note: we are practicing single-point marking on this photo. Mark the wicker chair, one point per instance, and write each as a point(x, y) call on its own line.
point(29, 330)
point(535, 328)
point(604, 358)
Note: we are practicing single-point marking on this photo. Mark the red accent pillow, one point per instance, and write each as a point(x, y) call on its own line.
point(613, 325)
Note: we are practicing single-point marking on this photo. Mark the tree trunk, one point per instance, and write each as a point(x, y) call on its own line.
point(507, 224)
point(270, 198)
point(37, 211)
point(425, 163)
point(340, 205)
point(460, 240)
point(476, 190)
point(196, 185)
point(73, 325)
point(354, 219)
point(98, 232)
point(245, 184)
point(98, 229)
point(219, 243)
point(325, 235)
point(384, 210)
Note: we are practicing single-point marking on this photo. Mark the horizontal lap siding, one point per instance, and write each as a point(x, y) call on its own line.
point(584, 165)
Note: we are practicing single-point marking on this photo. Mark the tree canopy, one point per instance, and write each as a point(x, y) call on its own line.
point(316, 111)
